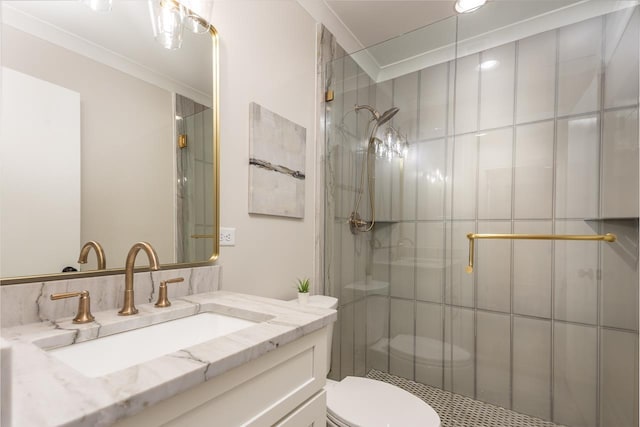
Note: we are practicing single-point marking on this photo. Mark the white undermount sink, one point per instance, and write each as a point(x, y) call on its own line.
point(116, 352)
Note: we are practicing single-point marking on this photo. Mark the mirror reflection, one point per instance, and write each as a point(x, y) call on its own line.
point(107, 137)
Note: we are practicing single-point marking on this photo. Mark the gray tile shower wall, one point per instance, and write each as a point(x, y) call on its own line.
point(546, 142)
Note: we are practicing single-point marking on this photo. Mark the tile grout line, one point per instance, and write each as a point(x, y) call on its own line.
point(533, 122)
point(371, 251)
point(475, 279)
point(367, 246)
point(516, 315)
point(526, 316)
point(415, 231)
point(554, 208)
point(599, 291)
point(343, 198)
point(453, 161)
point(393, 91)
point(365, 164)
point(443, 279)
point(516, 58)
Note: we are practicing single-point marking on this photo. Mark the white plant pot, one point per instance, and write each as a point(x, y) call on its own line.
point(303, 298)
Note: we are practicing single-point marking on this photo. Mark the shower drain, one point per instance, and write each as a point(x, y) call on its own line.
point(461, 411)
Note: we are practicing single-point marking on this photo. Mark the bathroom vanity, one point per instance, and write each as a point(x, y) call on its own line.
point(263, 363)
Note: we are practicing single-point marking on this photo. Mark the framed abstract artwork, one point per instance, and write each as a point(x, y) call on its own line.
point(277, 149)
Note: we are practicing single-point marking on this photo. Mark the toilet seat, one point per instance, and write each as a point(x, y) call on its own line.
point(356, 401)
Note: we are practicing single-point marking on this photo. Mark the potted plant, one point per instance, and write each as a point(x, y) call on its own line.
point(303, 291)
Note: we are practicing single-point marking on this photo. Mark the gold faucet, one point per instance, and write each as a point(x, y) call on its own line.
point(129, 307)
point(84, 253)
point(84, 305)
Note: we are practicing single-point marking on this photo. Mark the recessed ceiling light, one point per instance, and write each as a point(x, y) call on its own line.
point(489, 64)
point(466, 6)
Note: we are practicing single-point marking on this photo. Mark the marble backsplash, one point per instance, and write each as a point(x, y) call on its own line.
point(30, 302)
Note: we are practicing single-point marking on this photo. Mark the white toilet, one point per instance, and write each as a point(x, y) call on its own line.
point(356, 401)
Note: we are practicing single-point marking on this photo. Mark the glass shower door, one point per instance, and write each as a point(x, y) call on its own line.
point(521, 118)
point(546, 143)
point(390, 281)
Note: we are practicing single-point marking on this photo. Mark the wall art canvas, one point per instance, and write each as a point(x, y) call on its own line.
point(276, 164)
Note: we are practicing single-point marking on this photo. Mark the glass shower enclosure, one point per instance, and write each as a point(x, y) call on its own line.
point(520, 118)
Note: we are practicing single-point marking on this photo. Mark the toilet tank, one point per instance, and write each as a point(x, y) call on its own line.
point(324, 301)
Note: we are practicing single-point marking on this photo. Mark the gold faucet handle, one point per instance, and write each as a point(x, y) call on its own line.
point(163, 300)
point(84, 305)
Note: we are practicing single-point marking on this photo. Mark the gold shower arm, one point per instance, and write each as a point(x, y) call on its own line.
point(472, 237)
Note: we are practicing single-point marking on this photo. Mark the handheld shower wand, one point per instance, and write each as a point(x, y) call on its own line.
point(356, 224)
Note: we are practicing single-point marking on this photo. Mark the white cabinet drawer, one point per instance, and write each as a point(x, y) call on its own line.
point(259, 393)
point(313, 412)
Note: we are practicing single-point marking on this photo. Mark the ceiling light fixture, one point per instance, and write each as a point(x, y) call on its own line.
point(197, 23)
point(467, 6)
point(169, 17)
point(166, 21)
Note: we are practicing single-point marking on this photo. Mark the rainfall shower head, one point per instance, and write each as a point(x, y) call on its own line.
point(380, 118)
point(387, 115)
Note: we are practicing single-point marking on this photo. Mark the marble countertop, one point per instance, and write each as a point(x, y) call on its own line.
point(47, 392)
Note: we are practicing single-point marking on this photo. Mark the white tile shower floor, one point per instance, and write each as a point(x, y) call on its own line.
point(460, 411)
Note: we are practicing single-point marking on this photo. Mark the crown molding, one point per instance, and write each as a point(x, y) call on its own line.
point(567, 15)
point(323, 13)
point(60, 37)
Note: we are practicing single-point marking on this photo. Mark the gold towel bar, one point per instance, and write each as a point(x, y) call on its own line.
point(472, 237)
point(203, 236)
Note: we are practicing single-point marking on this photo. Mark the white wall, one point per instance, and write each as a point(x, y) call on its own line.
point(267, 55)
point(39, 175)
point(127, 161)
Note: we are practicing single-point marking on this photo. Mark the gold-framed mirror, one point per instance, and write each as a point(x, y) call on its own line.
point(107, 136)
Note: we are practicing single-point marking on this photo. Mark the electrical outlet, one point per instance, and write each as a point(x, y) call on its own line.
point(227, 236)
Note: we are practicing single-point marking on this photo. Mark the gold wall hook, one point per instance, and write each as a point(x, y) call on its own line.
point(609, 237)
point(163, 300)
point(84, 305)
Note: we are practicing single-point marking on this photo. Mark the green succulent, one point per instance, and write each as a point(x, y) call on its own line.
point(303, 286)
